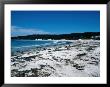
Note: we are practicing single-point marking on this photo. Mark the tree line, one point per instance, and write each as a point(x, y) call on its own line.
point(72, 36)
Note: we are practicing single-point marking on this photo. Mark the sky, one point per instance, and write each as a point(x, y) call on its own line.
point(54, 22)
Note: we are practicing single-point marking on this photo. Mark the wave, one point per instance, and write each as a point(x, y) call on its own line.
point(43, 44)
point(55, 41)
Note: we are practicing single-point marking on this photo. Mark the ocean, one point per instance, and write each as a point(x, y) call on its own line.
point(21, 45)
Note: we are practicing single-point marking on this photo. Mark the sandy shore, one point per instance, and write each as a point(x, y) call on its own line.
point(78, 59)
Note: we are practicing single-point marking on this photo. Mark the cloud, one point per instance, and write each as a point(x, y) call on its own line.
point(19, 31)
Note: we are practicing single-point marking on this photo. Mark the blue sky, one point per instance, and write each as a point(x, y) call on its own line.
point(54, 22)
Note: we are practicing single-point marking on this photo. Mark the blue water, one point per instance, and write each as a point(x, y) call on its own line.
point(27, 44)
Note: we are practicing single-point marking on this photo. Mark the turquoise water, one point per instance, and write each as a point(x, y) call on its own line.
point(27, 44)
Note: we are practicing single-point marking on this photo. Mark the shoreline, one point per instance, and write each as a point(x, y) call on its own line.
point(78, 59)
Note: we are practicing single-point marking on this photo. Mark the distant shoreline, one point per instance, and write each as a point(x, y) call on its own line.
point(71, 36)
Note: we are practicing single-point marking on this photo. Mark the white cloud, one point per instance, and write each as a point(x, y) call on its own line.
point(19, 31)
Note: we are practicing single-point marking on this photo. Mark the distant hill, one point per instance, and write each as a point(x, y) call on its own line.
point(72, 36)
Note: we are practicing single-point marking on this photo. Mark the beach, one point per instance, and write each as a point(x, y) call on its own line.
point(81, 58)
